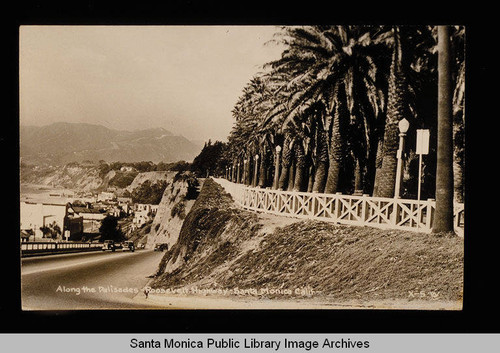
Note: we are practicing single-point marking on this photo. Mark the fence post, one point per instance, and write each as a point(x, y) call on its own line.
point(456, 217)
point(396, 212)
point(315, 203)
point(337, 207)
point(429, 214)
point(364, 208)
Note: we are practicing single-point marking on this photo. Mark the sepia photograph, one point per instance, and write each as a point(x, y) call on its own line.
point(173, 167)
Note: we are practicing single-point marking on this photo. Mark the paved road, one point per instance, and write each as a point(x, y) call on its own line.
point(97, 280)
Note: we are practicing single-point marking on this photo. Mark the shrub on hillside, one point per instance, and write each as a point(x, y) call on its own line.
point(122, 179)
point(179, 210)
point(149, 193)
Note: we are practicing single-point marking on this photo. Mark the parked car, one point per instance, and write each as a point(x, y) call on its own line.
point(128, 245)
point(161, 247)
point(111, 245)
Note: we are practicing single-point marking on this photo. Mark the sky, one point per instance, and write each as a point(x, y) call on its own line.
point(185, 79)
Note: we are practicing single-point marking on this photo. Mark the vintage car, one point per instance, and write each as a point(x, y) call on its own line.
point(111, 245)
point(161, 247)
point(128, 245)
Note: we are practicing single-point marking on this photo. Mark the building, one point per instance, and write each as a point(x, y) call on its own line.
point(114, 211)
point(91, 217)
point(37, 214)
point(126, 204)
point(139, 207)
point(124, 200)
point(73, 227)
point(144, 213)
point(106, 196)
point(127, 169)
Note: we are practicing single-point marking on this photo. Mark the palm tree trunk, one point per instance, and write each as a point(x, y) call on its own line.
point(443, 221)
point(336, 149)
point(286, 160)
point(248, 176)
point(396, 108)
point(291, 175)
point(378, 165)
point(311, 177)
point(321, 162)
point(264, 162)
point(300, 168)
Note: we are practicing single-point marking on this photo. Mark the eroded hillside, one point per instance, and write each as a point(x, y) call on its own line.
point(70, 176)
point(177, 200)
point(223, 247)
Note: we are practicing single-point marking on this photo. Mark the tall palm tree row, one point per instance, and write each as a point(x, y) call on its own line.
point(333, 102)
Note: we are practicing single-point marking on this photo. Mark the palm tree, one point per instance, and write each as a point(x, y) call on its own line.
point(397, 109)
point(327, 97)
point(332, 65)
point(443, 221)
point(248, 134)
point(409, 45)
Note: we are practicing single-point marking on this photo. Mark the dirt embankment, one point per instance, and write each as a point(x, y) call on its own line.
point(222, 247)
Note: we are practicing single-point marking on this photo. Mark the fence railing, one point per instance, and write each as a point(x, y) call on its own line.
point(387, 213)
point(55, 246)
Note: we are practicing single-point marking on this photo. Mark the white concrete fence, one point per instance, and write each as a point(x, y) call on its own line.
point(33, 248)
point(380, 212)
point(55, 246)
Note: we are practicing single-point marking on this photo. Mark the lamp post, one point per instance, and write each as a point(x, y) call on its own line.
point(403, 125)
point(256, 169)
point(238, 173)
point(277, 167)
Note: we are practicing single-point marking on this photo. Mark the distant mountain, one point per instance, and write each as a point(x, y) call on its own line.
point(61, 143)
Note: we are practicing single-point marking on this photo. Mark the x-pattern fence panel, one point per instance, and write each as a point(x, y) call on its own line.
point(344, 209)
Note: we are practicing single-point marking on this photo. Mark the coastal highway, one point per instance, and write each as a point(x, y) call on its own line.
point(97, 280)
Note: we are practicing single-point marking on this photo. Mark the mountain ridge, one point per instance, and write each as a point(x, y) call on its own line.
point(63, 142)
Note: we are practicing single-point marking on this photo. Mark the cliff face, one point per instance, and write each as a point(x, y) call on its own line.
point(153, 177)
point(84, 178)
point(177, 200)
point(221, 247)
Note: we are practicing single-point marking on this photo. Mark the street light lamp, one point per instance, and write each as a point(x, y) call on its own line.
point(403, 126)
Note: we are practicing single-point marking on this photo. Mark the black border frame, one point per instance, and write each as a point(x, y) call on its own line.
point(479, 295)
